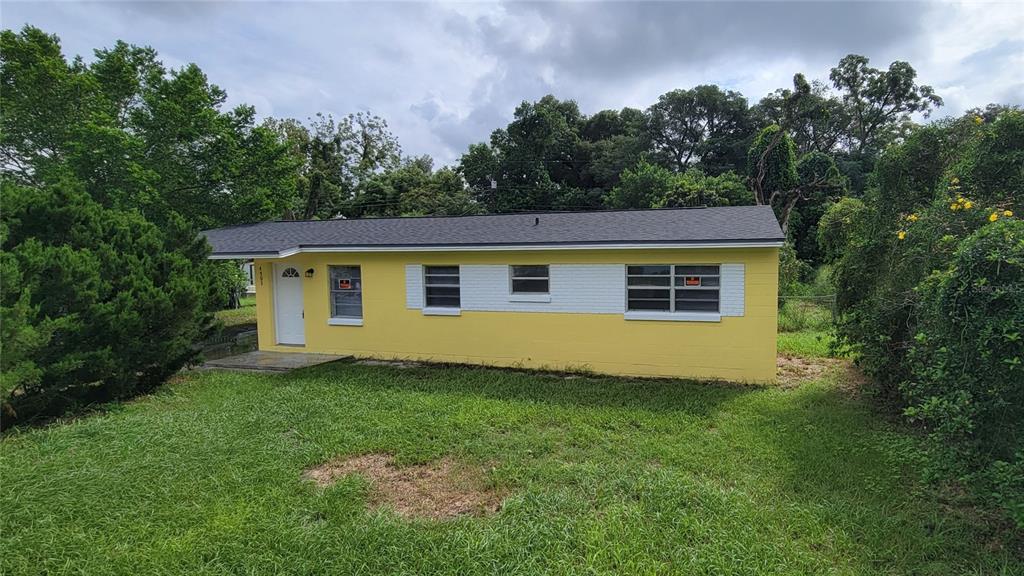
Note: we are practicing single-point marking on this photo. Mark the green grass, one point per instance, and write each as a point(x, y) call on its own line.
point(806, 344)
point(605, 476)
point(804, 315)
point(243, 315)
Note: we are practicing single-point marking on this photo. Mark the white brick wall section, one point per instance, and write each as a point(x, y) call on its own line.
point(732, 292)
point(413, 286)
point(578, 288)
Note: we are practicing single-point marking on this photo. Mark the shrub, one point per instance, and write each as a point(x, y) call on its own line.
point(799, 315)
point(96, 303)
point(835, 226)
point(929, 297)
point(793, 272)
point(967, 360)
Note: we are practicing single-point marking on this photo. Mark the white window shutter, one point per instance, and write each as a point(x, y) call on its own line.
point(414, 286)
point(732, 296)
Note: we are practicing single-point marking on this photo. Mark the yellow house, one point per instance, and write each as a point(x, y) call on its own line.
point(681, 292)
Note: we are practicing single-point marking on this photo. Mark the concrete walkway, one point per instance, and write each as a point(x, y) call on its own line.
point(271, 361)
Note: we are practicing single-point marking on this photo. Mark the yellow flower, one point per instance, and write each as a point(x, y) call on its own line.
point(960, 200)
point(1007, 213)
point(993, 217)
point(978, 119)
point(968, 205)
point(954, 206)
point(912, 217)
point(901, 235)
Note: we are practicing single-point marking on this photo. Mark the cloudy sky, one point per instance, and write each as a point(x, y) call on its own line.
point(445, 75)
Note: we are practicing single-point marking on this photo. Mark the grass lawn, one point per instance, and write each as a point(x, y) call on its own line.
point(244, 314)
point(603, 475)
point(806, 344)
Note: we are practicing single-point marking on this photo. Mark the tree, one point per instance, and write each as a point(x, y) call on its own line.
point(836, 227)
point(101, 303)
point(693, 188)
point(443, 194)
point(137, 136)
point(641, 186)
point(651, 186)
point(479, 166)
point(536, 163)
point(705, 125)
point(335, 158)
point(414, 189)
point(614, 141)
point(771, 169)
point(820, 184)
point(815, 119)
point(780, 181)
point(879, 102)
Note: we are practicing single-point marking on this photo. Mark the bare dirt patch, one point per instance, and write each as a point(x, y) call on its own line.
point(438, 490)
point(793, 370)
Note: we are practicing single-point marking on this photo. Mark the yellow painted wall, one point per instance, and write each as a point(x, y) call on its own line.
point(737, 348)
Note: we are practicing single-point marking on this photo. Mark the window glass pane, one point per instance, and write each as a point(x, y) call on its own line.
point(648, 304)
point(697, 295)
point(531, 286)
point(347, 311)
point(540, 271)
point(650, 293)
point(649, 281)
point(709, 281)
point(443, 291)
point(346, 278)
point(647, 270)
point(442, 286)
point(697, 306)
point(696, 270)
point(445, 301)
point(346, 292)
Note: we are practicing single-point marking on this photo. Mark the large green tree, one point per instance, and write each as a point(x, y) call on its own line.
point(137, 135)
point(414, 189)
point(815, 119)
point(879, 102)
point(704, 125)
point(537, 162)
point(334, 158)
point(649, 185)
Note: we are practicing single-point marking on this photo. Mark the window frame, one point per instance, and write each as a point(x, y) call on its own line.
point(427, 286)
point(512, 280)
point(673, 290)
point(332, 318)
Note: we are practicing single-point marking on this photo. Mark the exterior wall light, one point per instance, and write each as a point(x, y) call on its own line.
point(310, 272)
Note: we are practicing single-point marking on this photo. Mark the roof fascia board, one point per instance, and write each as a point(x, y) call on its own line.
point(494, 248)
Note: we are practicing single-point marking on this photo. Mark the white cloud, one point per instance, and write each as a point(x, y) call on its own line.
point(445, 75)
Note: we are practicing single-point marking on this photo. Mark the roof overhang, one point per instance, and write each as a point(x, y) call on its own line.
point(495, 248)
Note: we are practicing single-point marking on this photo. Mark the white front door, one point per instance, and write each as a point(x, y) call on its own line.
point(288, 314)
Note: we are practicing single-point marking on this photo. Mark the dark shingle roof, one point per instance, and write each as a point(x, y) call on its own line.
point(725, 225)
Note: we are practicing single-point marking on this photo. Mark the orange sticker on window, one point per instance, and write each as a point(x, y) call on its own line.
point(693, 281)
point(344, 284)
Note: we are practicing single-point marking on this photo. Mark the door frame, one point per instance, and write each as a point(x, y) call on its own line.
point(277, 269)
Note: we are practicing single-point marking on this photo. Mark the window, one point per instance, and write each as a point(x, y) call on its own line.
point(672, 288)
point(346, 292)
point(696, 288)
point(530, 279)
point(290, 273)
point(442, 286)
